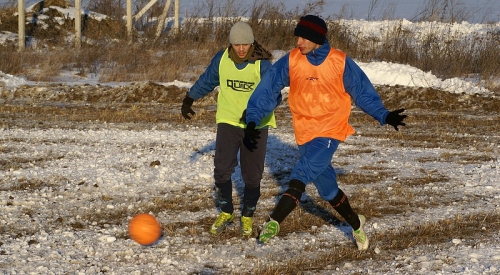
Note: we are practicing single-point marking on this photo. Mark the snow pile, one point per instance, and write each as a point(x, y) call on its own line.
point(10, 81)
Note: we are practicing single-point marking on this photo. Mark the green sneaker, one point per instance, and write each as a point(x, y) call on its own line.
point(221, 222)
point(246, 224)
point(360, 236)
point(269, 230)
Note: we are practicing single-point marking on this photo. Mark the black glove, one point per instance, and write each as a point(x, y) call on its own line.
point(395, 119)
point(251, 136)
point(186, 107)
point(244, 116)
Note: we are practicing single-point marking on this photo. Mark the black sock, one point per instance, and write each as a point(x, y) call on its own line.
point(285, 206)
point(224, 192)
point(250, 199)
point(288, 201)
point(341, 204)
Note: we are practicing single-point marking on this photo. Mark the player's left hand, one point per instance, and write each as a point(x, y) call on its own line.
point(395, 119)
point(251, 136)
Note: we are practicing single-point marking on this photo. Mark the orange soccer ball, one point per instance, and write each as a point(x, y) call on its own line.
point(144, 229)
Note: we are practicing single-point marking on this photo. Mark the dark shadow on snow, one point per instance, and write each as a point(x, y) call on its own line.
point(281, 157)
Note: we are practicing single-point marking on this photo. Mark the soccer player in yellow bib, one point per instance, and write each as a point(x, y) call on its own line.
point(236, 70)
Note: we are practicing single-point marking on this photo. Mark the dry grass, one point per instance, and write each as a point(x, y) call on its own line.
point(372, 189)
point(184, 54)
point(392, 243)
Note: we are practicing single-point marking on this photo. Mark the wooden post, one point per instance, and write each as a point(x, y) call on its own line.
point(78, 23)
point(163, 16)
point(21, 25)
point(145, 9)
point(176, 16)
point(129, 20)
point(161, 20)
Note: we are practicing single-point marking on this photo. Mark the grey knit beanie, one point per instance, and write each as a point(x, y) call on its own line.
point(241, 33)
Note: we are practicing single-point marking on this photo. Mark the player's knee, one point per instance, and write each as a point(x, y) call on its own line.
point(338, 199)
point(297, 185)
point(295, 190)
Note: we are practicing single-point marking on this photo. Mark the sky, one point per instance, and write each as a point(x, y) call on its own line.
point(481, 11)
point(108, 161)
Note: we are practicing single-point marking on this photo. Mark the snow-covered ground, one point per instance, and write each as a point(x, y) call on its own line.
point(67, 193)
point(60, 224)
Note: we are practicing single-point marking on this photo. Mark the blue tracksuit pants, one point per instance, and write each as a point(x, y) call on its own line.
point(315, 165)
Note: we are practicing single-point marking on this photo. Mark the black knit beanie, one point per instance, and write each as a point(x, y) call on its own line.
point(312, 28)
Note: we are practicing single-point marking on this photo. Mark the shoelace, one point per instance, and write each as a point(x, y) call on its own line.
point(359, 236)
point(221, 219)
point(270, 228)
